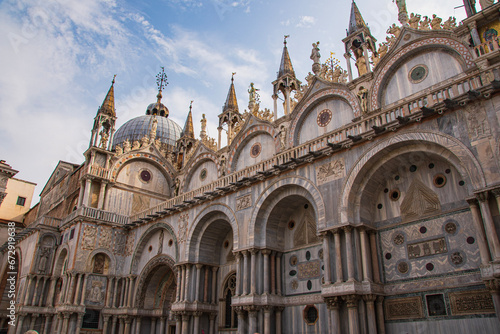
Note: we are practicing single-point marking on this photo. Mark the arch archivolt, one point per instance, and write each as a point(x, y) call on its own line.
point(447, 147)
point(142, 283)
point(202, 221)
point(249, 133)
point(441, 42)
point(145, 238)
point(130, 157)
point(112, 260)
point(273, 194)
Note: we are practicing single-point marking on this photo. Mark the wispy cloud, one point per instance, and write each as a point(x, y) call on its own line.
point(306, 22)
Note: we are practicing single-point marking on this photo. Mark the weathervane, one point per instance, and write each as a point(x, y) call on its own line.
point(114, 77)
point(284, 41)
point(161, 79)
point(232, 76)
point(191, 105)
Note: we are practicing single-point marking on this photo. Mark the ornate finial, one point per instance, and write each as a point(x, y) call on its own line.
point(284, 40)
point(232, 76)
point(191, 105)
point(113, 82)
point(161, 82)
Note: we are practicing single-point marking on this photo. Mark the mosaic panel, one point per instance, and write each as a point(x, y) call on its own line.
point(404, 308)
point(96, 291)
point(303, 271)
point(471, 302)
point(309, 270)
point(430, 247)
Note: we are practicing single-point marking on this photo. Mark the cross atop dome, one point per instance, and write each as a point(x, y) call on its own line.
point(161, 82)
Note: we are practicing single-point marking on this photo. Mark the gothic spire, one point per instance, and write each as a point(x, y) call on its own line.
point(286, 64)
point(231, 102)
point(108, 106)
point(356, 21)
point(188, 127)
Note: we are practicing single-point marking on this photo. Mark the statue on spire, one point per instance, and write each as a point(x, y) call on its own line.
point(402, 12)
point(315, 57)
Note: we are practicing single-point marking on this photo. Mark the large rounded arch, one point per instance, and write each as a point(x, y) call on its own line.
point(156, 283)
point(212, 169)
point(145, 238)
point(276, 192)
point(384, 68)
point(62, 255)
point(213, 223)
point(337, 92)
point(447, 147)
point(163, 166)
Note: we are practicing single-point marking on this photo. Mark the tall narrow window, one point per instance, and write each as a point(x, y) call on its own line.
point(231, 319)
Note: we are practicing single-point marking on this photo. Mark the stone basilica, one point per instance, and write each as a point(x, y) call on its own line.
point(370, 206)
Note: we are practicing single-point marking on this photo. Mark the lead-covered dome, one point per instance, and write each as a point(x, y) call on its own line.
point(167, 130)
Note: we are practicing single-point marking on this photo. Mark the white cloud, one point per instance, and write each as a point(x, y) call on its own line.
point(306, 22)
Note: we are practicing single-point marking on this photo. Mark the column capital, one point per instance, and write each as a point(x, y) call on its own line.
point(472, 201)
point(65, 315)
point(482, 196)
point(369, 298)
point(351, 300)
point(254, 251)
point(347, 228)
point(267, 308)
point(252, 310)
point(493, 285)
point(266, 251)
point(214, 269)
point(212, 315)
point(333, 303)
point(324, 234)
point(245, 252)
point(237, 254)
point(199, 266)
point(496, 192)
point(198, 314)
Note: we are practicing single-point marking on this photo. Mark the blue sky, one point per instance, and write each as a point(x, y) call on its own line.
point(58, 58)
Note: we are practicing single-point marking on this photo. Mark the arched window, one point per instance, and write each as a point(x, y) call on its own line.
point(230, 317)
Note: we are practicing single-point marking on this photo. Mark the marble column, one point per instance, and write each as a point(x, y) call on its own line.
point(130, 291)
point(373, 246)
point(185, 323)
point(252, 315)
point(205, 285)
point(113, 324)
point(338, 259)
point(350, 258)
point(27, 294)
point(273, 273)
point(183, 282)
point(333, 305)
point(102, 189)
point(162, 325)
point(36, 292)
point(65, 324)
point(266, 275)
point(278, 311)
point(480, 237)
point(79, 320)
point(33, 320)
point(110, 291)
point(54, 326)
point(178, 324)
point(239, 273)
point(153, 325)
point(370, 310)
point(380, 315)
point(52, 289)
point(46, 325)
point(196, 326)
point(20, 322)
point(347, 57)
point(267, 319)
point(278, 273)
point(71, 289)
point(246, 291)
point(179, 282)
point(489, 225)
point(198, 282)
point(214, 285)
point(326, 257)
point(85, 280)
point(253, 271)
point(124, 295)
point(76, 300)
point(137, 326)
point(120, 325)
point(186, 283)
point(105, 323)
point(42, 292)
point(365, 256)
point(352, 311)
point(212, 323)
point(241, 319)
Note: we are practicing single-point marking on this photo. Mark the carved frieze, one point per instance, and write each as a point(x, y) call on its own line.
point(183, 227)
point(427, 248)
point(89, 236)
point(404, 308)
point(105, 237)
point(243, 202)
point(330, 171)
point(471, 302)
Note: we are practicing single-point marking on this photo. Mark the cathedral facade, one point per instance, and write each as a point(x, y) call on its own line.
point(370, 206)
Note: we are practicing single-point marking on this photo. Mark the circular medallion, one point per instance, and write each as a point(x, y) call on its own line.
point(399, 239)
point(145, 175)
point(418, 73)
point(324, 117)
point(255, 150)
point(293, 260)
point(457, 258)
point(203, 174)
point(294, 284)
point(450, 227)
point(403, 267)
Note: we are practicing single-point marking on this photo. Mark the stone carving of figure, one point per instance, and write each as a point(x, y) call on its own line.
point(126, 146)
point(363, 98)
point(436, 22)
point(95, 293)
point(336, 74)
point(402, 13)
point(450, 23)
point(315, 57)
point(158, 143)
point(309, 78)
point(414, 20)
point(361, 65)
point(253, 97)
point(44, 256)
point(154, 127)
point(177, 186)
point(424, 24)
point(203, 132)
point(394, 30)
point(136, 145)
point(119, 150)
point(104, 138)
point(144, 141)
point(282, 135)
point(222, 165)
